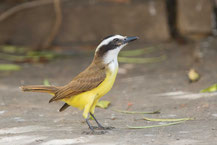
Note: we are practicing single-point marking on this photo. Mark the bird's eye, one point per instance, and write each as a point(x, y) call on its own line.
point(116, 39)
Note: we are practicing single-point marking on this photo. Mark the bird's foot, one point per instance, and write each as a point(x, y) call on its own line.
point(101, 132)
point(103, 128)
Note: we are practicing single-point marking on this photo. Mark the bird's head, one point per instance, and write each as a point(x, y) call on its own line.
point(111, 45)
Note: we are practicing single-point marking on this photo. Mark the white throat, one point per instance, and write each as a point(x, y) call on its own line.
point(113, 65)
point(111, 58)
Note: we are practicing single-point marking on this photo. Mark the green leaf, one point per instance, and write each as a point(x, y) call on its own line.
point(12, 49)
point(10, 57)
point(141, 60)
point(136, 52)
point(39, 54)
point(91, 118)
point(212, 88)
point(152, 126)
point(46, 82)
point(9, 67)
point(167, 120)
point(134, 112)
point(103, 104)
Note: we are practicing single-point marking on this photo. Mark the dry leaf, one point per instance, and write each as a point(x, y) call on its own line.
point(193, 76)
point(103, 104)
point(212, 88)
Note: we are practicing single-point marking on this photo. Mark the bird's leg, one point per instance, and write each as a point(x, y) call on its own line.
point(86, 113)
point(99, 125)
point(88, 123)
point(92, 132)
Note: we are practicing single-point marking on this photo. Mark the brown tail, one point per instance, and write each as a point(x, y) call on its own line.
point(40, 88)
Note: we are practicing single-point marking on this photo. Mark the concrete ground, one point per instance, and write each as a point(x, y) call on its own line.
point(28, 118)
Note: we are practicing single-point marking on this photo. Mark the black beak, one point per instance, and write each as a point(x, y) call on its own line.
point(130, 39)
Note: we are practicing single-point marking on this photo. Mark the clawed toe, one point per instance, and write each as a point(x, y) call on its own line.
point(109, 128)
point(103, 128)
point(94, 132)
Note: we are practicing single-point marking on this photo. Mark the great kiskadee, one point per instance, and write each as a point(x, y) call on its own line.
point(85, 90)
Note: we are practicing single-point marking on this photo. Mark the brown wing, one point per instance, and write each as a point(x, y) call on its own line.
point(85, 81)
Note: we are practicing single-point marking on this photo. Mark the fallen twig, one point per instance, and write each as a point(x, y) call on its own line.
point(168, 120)
point(160, 125)
point(23, 6)
point(135, 112)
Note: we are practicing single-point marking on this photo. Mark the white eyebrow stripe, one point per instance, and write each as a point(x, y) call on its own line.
point(106, 41)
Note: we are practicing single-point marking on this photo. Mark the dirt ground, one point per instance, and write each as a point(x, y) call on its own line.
point(28, 118)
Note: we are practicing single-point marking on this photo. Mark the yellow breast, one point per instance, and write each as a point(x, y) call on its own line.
point(92, 96)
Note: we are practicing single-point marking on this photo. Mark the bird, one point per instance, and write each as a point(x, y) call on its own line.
point(85, 89)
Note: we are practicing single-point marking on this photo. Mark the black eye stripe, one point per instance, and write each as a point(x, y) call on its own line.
point(105, 48)
point(116, 39)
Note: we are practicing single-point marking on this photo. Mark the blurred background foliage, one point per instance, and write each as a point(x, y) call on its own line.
point(41, 30)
